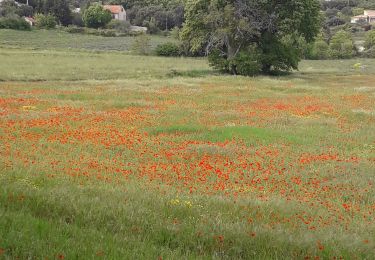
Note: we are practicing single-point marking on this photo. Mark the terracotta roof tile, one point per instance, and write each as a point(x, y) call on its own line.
point(114, 9)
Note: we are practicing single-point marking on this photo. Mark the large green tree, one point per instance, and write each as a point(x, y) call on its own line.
point(268, 32)
point(60, 9)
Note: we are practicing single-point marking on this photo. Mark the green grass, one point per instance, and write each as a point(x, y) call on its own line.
point(38, 65)
point(60, 40)
point(115, 156)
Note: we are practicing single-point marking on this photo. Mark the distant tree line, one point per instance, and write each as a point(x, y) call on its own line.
point(339, 12)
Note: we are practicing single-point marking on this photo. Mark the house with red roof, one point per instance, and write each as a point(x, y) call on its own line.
point(118, 11)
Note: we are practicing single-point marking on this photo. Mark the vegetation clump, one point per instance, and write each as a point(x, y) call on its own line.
point(265, 31)
point(14, 23)
point(168, 49)
point(141, 45)
point(319, 50)
point(96, 16)
point(370, 44)
point(45, 21)
point(342, 46)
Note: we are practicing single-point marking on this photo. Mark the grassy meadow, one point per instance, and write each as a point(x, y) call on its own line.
point(61, 40)
point(107, 155)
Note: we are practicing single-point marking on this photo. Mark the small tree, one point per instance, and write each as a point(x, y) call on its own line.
point(141, 44)
point(370, 39)
point(168, 49)
point(341, 45)
point(370, 44)
point(96, 16)
point(319, 49)
point(45, 21)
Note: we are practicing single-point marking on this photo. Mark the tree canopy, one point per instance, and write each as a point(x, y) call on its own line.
point(96, 16)
point(269, 30)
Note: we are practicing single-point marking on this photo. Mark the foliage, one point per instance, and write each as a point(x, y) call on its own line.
point(319, 49)
point(95, 16)
point(45, 21)
point(369, 53)
point(339, 12)
point(101, 32)
point(335, 21)
point(14, 23)
point(342, 46)
point(337, 4)
point(141, 44)
point(370, 39)
point(77, 19)
point(91, 31)
point(168, 49)
point(74, 29)
point(9, 8)
point(60, 9)
point(175, 32)
point(157, 17)
point(358, 11)
point(279, 55)
point(231, 27)
point(151, 26)
point(247, 63)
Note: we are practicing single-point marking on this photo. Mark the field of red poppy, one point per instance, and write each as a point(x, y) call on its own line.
point(186, 165)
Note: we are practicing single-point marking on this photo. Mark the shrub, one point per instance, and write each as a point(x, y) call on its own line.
point(14, 23)
point(119, 26)
point(246, 63)
point(369, 53)
point(358, 11)
point(168, 49)
point(342, 46)
point(141, 44)
point(10, 8)
point(151, 26)
point(77, 20)
point(319, 50)
point(370, 39)
point(335, 21)
point(218, 61)
point(45, 21)
point(347, 11)
point(74, 29)
point(331, 12)
point(95, 16)
point(175, 32)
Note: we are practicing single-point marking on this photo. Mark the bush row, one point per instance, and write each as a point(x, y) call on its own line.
point(340, 46)
point(100, 32)
point(14, 23)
